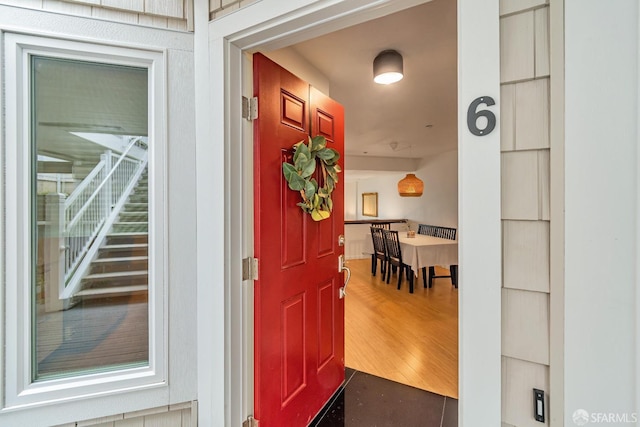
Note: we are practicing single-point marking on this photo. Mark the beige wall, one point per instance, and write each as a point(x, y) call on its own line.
point(291, 60)
point(525, 80)
point(170, 14)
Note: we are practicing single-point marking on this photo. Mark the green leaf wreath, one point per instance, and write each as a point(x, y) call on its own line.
point(316, 199)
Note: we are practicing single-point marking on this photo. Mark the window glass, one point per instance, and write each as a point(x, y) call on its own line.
point(89, 216)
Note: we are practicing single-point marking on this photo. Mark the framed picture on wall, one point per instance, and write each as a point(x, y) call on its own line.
point(369, 204)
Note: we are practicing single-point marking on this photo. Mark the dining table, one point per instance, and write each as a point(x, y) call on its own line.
point(423, 251)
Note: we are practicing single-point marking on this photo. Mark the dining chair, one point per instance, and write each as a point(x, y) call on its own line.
point(427, 230)
point(384, 225)
point(379, 252)
point(394, 258)
point(444, 233)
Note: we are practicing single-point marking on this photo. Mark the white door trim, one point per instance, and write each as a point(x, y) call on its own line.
point(480, 246)
point(221, 234)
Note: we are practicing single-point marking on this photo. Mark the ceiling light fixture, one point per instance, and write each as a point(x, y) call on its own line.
point(410, 186)
point(387, 67)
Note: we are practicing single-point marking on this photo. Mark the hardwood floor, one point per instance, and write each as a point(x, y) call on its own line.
point(408, 338)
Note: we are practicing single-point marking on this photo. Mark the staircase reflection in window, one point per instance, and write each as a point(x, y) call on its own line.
point(90, 193)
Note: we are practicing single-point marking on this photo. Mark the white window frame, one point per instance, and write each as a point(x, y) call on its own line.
point(18, 390)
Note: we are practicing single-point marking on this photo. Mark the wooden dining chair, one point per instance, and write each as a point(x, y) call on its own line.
point(379, 252)
point(444, 233)
point(394, 254)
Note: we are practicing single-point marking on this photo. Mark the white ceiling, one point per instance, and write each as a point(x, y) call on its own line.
point(419, 113)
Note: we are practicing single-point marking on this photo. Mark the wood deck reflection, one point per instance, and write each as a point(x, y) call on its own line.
point(95, 334)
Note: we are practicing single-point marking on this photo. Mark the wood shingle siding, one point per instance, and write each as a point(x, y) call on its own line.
point(525, 152)
point(169, 14)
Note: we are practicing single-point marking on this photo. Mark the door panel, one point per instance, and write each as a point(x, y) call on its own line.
point(293, 111)
point(326, 324)
point(293, 366)
point(299, 317)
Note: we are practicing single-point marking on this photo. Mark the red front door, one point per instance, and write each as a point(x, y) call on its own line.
point(299, 316)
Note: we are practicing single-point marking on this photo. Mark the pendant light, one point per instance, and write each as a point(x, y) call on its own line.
point(410, 186)
point(387, 67)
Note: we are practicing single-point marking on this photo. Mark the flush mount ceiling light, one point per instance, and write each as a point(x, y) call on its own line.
point(387, 67)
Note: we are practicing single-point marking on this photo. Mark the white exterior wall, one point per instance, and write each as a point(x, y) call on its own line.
point(601, 309)
point(169, 14)
point(179, 404)
point(181, 415)
point(601, 208)
point(218, 8)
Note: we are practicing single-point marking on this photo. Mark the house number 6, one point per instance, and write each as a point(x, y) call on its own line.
point(473, 114)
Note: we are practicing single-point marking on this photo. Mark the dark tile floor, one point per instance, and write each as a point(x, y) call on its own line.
point(368, 401)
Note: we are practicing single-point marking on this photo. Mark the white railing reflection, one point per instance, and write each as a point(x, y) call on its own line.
point(91, 209)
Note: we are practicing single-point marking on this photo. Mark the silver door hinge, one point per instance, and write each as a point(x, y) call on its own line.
point(251, 422)
point(249, 108)
point(250, 269)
